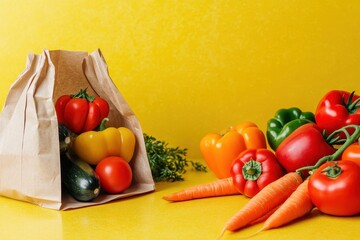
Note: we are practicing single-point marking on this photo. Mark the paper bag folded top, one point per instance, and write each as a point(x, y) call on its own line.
point(29, 144)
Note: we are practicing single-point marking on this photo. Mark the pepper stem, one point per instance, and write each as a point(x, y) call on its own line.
point(102, 124)
point(252, 170)
point(83, 94)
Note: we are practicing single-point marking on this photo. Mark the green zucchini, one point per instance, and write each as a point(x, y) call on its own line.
point(66, 137)
point(79, 178)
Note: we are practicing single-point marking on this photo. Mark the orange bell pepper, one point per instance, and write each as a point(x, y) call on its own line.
point(219, 150)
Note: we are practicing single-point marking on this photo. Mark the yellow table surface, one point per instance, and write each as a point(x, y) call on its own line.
point(148, 216)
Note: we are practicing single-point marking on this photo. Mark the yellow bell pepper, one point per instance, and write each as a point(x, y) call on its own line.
point(93, 146)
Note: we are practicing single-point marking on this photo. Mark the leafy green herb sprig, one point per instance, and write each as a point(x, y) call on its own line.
point(168, 164)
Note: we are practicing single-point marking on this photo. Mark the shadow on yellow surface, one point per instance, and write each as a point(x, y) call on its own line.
point(148, 216)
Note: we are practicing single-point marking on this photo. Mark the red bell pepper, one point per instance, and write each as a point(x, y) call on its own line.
point(253, 169)
point(304, 147)
point(81, 112)
point(337, 109)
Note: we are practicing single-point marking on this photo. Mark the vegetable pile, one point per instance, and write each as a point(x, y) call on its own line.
point(94, 158)
point(313, 161)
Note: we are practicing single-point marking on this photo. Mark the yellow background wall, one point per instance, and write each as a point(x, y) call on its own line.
point(190, 67)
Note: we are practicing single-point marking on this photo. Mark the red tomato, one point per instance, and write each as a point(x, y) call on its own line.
point(114, 173)
point(81, 112)
point(334, 188)
point(352, 153)
point(253, 169)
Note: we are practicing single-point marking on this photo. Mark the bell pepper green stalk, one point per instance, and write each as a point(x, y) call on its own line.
point(284, 122)
point(252, 170)
point(349, 139)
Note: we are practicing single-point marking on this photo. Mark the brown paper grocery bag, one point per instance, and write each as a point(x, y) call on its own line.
point(29, 145)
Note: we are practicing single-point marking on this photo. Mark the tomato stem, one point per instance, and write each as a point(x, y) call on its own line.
point(352, 107)
point(349, 140)
point(332, 171)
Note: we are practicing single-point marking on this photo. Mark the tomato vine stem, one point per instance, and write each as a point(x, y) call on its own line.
point(349, 140)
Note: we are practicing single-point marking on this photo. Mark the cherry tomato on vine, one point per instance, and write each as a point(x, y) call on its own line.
point(115, 174)
point(352, 153)
point(334, 188)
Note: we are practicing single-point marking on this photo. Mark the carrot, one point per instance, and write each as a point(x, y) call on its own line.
point(264, 217)
point(267, 199)
point(297, 205)
point(220, 187)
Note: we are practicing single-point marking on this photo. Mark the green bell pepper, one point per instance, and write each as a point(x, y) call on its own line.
point(284, 123)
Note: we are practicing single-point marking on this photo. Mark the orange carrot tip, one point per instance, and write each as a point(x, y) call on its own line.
point(264, 217)
point(270, 197)
point(220, 187)
point(221, 234)
point(297, 205)
point(256, 221)
point(253, 234)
